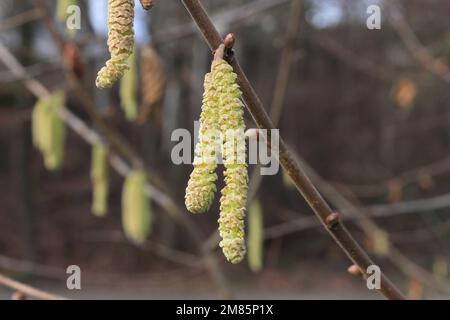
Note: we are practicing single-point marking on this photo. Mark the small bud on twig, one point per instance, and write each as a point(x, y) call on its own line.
point(354, 270)
point(332, 220)
point(229, 40)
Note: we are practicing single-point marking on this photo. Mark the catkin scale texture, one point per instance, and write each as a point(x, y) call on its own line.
point(201, 186)
point(120, 41)
point(234, 194)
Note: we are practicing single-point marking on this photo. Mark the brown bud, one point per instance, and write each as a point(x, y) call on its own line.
point(332, 220)
point(355, 270)
point(72, 59)
point(229, 40)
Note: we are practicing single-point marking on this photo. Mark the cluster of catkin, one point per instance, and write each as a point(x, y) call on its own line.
point(48, 129)
point(221, 132)
point(136, 209)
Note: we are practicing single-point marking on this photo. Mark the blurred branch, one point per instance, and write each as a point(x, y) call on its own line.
point(408, 177)
point(33, 70)
point(28, 290)
point(229, 16)
point(170, 254)
point(355, 61)
point(19, 19)
point(329, 219)
point(374, 211)
point(413, 44)
point(371, 229)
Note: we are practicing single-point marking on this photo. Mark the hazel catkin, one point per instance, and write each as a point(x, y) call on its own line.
point(136, 210)
point(99, 177)
point(234, 194)
point(48, 130)
point(255, 237)
point(120, 41)
point(201, 186)
point(128, 90)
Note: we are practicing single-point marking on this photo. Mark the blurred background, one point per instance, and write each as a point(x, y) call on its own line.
point(366, 111)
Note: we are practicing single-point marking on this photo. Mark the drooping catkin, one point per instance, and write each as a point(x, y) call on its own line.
point(201, 186)
point(234, 194)
point(99, 177)
point(48, 130)
point(128, 89)
point(136, 210)
point(255, 237)
point(120, 41)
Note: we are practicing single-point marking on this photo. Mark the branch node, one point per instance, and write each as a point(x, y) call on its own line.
point(229, 41)
point(332, 220)
point(219, 53)
point(354, 270)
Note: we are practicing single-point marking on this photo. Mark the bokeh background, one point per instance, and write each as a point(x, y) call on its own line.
point(366, 111)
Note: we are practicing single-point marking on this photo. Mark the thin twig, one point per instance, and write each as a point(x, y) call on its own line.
point(370, 228)
point(329, 219)
point(413, 44)
point(28, 290)
point(19, 19)
point(229, 16)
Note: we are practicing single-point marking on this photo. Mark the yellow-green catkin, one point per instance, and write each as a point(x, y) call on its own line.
point(136, 210)
point(62, 14)
point(255, 237)
point(128, 89)
point(100, 181)
point(234, 194)
point(48, 130)
point(120, 42)
point(201, 186)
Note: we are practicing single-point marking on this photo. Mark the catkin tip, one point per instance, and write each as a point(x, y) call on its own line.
point(120, 42)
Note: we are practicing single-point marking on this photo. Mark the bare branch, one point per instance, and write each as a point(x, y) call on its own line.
point(28, 290)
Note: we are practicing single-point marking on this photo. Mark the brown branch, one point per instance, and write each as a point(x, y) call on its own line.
point(416, 48)
point(28, 290)
point(229, 16)
point(281, 83)
point(370, 228)
point(322, 210)
point(408, 177)
point(19, 19)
